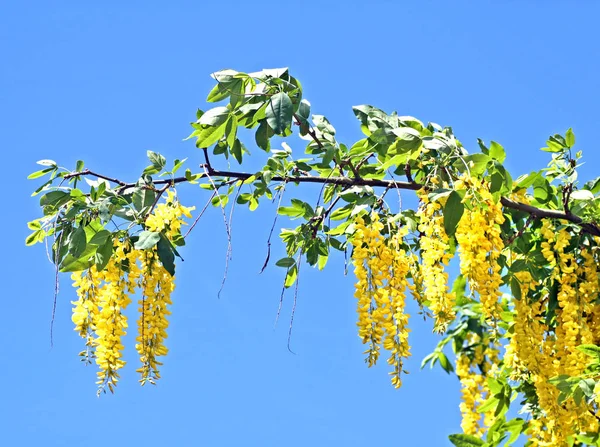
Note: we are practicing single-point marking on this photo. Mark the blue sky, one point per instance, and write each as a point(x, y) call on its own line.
point(106, 81)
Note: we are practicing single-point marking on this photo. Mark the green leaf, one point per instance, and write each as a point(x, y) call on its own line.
point(497, 152)
point(78, 242)
point(166, 255)
point(453, 211)
point(444, 362)
point(570, 138)
point(461, 440)
point(458, 288)
point(209, 135)
point(477, 163)
point(46, 162)
point(231, 130)
point(582, 194)
point(41, 173)
point(228, 82)
point(157, 160)
point(103, 253)
point(214, 117)
point(591, 350)
point(341, 213)
point(177, 164)
point(290, 277)
point(279, 112)
point(147, 239)
point(407, 140)
point(286, 262)
point(33, 238)
point(515, 288)
point(489, 404)
point(263, 134)
point(143, 198)
point(72, 264)
point(34, 225)
point(236, 150)
point(100, 237)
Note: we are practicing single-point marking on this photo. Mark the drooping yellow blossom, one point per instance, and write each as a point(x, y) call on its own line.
point(480, 245)
point(103, 297)
point(156, 286)
point(168, 216)
point(435, 255)
point(111, 323)
point(472, 370)
point(86, 311)
point(381, 268)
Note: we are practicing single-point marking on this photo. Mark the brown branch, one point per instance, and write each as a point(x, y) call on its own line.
point(590, 228)
point(551, 214)
point(88, 172)
point(157, 198)
point(310, 131)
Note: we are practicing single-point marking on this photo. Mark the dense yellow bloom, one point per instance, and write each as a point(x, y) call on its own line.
point(168, 216)
point(111, 323)
point(435, 254)
point(156, 285)
point(473, 371)
point(480, 245)
point(85, 311)
point(103, 297)
point(381, 268)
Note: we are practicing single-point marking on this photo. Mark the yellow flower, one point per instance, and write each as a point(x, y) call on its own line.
point(381, 268)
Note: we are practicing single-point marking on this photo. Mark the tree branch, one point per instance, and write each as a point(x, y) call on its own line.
point(590, 228)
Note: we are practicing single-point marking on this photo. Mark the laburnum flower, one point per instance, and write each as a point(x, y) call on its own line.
point(86, 311)
point(168, 216)
point(381, 269)
point(157, 285)
point(111, 322)
point(435, 255)
point(480, 244)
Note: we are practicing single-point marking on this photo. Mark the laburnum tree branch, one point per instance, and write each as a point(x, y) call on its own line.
point(587, 227)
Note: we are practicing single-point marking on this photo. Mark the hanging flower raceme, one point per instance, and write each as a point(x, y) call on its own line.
point(381, 267)
point(86, 311)
point(435, 255)
point(103, 296)
point(156, 285)
point(111, 323)
point(473, 367)
point(480, 245)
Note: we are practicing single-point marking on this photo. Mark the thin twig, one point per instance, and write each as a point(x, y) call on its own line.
point(298, 262)
point(56, 281)
point(271, 234)
point(281, 300)
point(200, 215)
point(156, 199)
point(226, 231)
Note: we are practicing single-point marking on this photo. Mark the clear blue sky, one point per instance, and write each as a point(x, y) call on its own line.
point(106, 81)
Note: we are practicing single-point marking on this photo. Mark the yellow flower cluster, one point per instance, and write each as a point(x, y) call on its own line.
point(435, 256)
point(85, 312)
point(480, 245)
point(103, 297)
point(168, 216)
point(538, 353)
point(381, 268)
point(157, 286)
point(113, 299)
point(472, 370)
point(98, 313)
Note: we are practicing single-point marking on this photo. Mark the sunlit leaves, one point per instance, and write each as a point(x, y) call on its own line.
point(279, 112)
